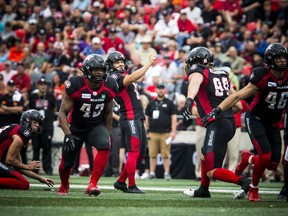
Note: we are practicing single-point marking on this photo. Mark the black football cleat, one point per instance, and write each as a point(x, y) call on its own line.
point(120, 186)
point(135, 189)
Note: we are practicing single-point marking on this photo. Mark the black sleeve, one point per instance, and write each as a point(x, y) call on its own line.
point(257, 75)
point(112, 84)
point(196, 68)
point(72, 85)
point(119, 79)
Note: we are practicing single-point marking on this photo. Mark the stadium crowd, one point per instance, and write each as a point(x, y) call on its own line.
point(49, 39)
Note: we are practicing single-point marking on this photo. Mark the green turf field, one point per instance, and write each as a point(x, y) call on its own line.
point(162, 198)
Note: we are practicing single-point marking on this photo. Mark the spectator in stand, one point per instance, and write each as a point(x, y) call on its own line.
point(197, 37)
point(39, 63)
point(209, 14)
point(8, 35)
point(4, 52)
point(250, 10)
point(179, 74)
point(94, 48)
point(168, 75)
point(127, 35)
point(40, 37)
point(116, 42)
point(75, 57)
point(185, 27)
point(260, 42)
point(22, 81)
point(21, 16)
point(56, 62)
point(145, 50)
point(193, 12)
point(9, 14)
point(236, 61)
point(142, 32)
point(219, 55)
point(165, 29)
point(82, 5)
point(31, 32)
point(8, 72)
point(16, 53)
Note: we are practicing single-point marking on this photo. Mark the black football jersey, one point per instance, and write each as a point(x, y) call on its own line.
point(213, 90)
point(89, 104)
point(128, 99)
point(6, 134)
point(271, 98)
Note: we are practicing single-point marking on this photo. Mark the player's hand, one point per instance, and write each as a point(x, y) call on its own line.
point(212, 115)
point(187, 113)
point(47, 181)
point(152, 58)
point(34, 165)
point(69, 142)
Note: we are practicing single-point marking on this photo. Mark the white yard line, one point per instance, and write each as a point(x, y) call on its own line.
point(212, 189)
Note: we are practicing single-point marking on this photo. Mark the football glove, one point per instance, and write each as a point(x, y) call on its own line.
point(212, 115)
point(187, 113)
point(69, 142)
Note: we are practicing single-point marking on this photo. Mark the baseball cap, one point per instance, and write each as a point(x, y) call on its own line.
point(8, 62)
point(42, 32)
point(42, 80)
point(113, 30)
point(160, 85)
point(11, 83)
point(165, 12)
point(32, 21)
point(75, 47)
point(96, 40)
point(96, 4)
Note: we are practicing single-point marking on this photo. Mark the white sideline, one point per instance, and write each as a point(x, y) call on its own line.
point(212, 189)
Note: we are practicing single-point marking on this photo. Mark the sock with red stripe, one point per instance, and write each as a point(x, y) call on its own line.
point(205, 181)
point(64, 174)
point(131, 164)
point(259, 167)
point(99, 165)
point(226, 175)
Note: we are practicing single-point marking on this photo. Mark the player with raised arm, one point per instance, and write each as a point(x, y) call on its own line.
point(208, 87)
point(86, 116)
point(269, 85)
point(131, 117)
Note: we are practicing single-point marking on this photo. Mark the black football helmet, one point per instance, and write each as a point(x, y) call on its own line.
point(199, 55)
point(92, 62)
point(272, 51)
point(28, 116)
point(113, 57)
